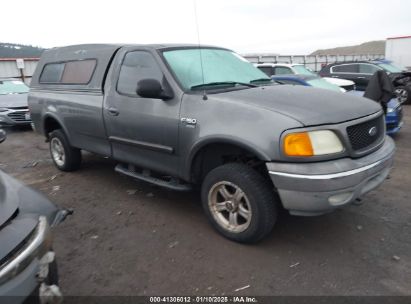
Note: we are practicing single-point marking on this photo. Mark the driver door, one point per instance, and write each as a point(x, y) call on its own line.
point(142, 131)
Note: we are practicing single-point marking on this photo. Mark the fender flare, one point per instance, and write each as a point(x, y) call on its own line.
point(199, 145)
point(55, 117)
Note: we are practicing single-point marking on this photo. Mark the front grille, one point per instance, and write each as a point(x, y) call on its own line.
point(18, 249)
point(366, 134)
point(18, 108)
point(18, 116)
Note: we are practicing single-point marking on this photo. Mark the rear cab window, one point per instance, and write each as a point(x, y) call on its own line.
point(266, 69)
point(282, 71)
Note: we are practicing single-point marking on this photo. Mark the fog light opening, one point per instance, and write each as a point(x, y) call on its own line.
point(340, 198)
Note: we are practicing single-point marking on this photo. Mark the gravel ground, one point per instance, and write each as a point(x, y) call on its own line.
point(131, 238)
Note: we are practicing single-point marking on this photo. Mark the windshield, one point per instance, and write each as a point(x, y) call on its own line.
point(302, 70)
point(324, 84)
point(219, 67)
point(12, 87)
point(390, 68)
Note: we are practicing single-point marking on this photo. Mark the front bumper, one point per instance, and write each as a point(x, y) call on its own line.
point(318, 188)
point(394, 121)
point(28, 268)
point(13, 117)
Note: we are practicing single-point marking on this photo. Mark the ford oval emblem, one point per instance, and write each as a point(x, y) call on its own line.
point(372, 131)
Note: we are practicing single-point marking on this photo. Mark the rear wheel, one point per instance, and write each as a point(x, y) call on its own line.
point(65, 157)
point(239, 202)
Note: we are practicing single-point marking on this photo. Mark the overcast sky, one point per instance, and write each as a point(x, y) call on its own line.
point(274, 26)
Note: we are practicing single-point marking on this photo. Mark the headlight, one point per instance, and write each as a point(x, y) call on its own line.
point(312, 143)
point(3, 109)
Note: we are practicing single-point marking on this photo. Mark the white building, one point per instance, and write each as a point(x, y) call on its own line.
point(398, 49)
point(21, 68)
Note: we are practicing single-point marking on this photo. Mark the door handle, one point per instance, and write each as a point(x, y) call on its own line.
point(360, 77)
point(113, 111)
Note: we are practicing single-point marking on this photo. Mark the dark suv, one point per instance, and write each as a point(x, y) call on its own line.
point(361, 71)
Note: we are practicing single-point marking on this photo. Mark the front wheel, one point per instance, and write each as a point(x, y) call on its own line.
point(403, 94)
point(239, 202)
point(65, 157)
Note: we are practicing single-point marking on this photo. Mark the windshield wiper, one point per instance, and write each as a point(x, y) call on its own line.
point(231, 83)
point(261, 80)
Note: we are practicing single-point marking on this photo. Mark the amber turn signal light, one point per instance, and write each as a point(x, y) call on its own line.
point(298, 144)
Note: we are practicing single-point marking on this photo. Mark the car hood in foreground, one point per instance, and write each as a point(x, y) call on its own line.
point(13, 100)
point(20, 208)
point(310, 106)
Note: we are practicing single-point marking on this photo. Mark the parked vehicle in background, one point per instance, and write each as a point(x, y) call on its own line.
point(361, 72)
point(13, 103)
point(307, 80)
point(276, 69)
point(393, 118)
point(27, 263)
point(183, 116)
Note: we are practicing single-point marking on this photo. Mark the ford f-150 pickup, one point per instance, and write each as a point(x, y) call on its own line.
point(184, 116)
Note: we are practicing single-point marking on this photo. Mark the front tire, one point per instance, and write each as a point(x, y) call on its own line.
point(403, 94)
point(64, 156)
point(239, 202)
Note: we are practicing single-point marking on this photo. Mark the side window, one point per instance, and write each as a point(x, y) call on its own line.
point(78, 72)
point(282, 71)
point(368, 69)
point(70, 72)
point(266, 70)
point(345, 68)
point(136, 66)
point(52, 73)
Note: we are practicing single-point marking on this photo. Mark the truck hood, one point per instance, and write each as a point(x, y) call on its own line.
point(13, 100)
point(310, 106)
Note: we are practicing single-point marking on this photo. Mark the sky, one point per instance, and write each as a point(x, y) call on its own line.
point(246, 26)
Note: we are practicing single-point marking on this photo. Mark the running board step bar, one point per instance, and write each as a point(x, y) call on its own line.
point(145, 175)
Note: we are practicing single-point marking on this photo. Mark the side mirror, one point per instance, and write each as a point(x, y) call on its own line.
point(3, 135)
point(151, 88)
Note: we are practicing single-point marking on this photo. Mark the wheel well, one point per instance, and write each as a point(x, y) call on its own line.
point(50, 124)
point(217, 154)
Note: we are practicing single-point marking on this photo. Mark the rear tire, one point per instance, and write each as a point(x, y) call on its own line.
point(64, 156)
point(239, 202)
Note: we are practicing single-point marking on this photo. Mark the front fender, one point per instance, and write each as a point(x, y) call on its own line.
point(203, 142)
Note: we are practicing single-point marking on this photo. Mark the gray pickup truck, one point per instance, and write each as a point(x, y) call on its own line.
point(183, 116)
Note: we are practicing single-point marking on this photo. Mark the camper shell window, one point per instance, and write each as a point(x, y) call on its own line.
point(70, 72)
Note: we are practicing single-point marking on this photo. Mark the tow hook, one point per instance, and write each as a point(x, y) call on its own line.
point(61, 216)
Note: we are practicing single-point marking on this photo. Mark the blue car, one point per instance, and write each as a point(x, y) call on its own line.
point(394, 114)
